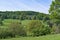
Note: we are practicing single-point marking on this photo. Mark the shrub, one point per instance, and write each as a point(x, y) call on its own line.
point(17, 28)
point(4, 33)
point(14, 29)
point(37, 28)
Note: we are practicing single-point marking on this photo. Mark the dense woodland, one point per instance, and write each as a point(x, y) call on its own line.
point(39, 24)
point(23, 15)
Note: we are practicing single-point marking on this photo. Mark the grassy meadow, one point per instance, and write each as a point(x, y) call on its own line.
point(6, 22)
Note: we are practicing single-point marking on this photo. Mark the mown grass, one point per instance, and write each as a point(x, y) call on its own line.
point(47, 37)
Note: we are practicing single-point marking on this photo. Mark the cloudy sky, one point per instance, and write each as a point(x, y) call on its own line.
point(25, 5)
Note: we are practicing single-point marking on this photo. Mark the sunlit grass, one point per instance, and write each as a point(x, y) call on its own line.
point(47, 37)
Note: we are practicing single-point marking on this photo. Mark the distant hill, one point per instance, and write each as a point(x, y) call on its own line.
point(22, 15)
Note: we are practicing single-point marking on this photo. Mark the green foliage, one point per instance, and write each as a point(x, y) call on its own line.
point(32, 23)
point(22, 15)
point(14, 29)
point(4, 33)
point(55, 15)
point(1, 23)
point(55, 9)
point(36, 28)
point(17, 29)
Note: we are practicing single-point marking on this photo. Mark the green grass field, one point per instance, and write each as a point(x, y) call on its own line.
point(47, 37)
point(6, 22)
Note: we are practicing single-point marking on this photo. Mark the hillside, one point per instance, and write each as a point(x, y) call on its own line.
point(23, 15)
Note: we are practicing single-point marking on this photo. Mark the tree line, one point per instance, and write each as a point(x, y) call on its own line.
point(23, 15)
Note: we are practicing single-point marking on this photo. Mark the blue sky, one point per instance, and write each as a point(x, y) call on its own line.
point(25, 5)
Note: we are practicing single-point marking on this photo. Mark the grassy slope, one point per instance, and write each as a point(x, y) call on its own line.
point(48, 37)
point(6, 22)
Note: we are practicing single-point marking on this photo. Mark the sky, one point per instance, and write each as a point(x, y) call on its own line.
point(25, 5)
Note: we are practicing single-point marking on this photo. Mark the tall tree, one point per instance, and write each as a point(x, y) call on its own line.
point(55, 9)
point(55, 13)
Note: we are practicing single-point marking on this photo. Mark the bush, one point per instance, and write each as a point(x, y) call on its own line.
point(4, 33)
point(14, 29)
point(37, 28)
point(1, 23)
point(17, 28)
